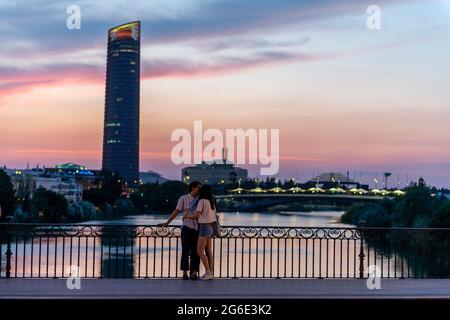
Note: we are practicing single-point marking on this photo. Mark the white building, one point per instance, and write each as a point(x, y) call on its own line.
point(26, 181)
point(219, 172)
point(68, 187)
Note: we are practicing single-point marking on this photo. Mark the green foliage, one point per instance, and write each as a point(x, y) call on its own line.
point(107, 190)
point(106, 211)
point(81, 211)
point(7, 196)
point(52, 206)
point(158, 197)
point(75, 212)
point(291, 183)
point(89, 211)
point(441, 217)
point(414, 208)
point(123, 207)
point(352, 215)
point(374, 215)
point(26, 205)
point(417, 209)
point(95, 196)
point(21, 215)
point(249, 184)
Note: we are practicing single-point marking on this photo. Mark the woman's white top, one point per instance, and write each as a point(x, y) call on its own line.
point(207, 214)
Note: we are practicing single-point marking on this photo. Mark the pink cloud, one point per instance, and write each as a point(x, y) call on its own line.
point(13, 81)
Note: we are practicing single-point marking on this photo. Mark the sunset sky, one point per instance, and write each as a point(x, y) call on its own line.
point(344, 97)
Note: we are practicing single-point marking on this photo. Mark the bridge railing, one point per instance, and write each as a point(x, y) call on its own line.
point(148, 251)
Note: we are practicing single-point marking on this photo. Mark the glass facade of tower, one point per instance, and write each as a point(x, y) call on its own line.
point(121, 122)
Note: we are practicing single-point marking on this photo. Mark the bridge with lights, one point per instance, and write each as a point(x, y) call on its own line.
point(257, 198)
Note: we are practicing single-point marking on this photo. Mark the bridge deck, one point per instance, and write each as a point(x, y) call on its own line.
point(302, 195)
point(224, 288)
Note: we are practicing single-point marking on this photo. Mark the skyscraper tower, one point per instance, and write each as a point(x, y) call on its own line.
point(121, 122)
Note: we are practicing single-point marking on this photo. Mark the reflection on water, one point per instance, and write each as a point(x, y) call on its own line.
point(117, 262)
point(112, 255)
point(286, 219)
point(115, 253)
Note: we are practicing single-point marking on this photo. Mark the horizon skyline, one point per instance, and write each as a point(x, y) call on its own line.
point(396, 180)
point(342, 96)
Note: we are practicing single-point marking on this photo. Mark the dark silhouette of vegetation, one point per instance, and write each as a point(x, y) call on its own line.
point(424, 251)
point(105, 200)
point(7, 196)
point(50, 206)
point(107, 189)
point(418, 208)
point(441, 217)
point(154, 197)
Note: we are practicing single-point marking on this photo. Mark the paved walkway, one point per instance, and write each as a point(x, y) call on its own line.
point(224, 288)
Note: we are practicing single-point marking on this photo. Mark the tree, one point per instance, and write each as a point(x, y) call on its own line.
point(417, 208)
point(88, 209)
point(249, 184)
point(108, 189)
point(353, 213)
point(123, 207)
point(53, 206)
point(7, 196)
point(106, 210)
point(97, 197)
point(169, 192)
point(158, 197)
point(141, 201)
point(26, 205)
point(291, 183)
point(441, 217)
point(414, 208)
point(81, 211)
point(376, 216)
point(75, 212)
point(22, 216)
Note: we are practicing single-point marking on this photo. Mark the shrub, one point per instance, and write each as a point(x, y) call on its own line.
point(88, 209)
point(22, 216)
point(75, 212)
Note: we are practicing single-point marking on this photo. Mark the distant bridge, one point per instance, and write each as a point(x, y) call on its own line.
point(266, 200)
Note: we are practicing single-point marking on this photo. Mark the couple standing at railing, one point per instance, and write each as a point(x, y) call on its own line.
point(200, 224)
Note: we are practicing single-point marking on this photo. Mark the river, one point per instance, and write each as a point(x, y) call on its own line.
point(266, 219)
point(273, 253)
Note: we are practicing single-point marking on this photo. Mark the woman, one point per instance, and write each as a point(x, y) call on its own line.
point(206, 215)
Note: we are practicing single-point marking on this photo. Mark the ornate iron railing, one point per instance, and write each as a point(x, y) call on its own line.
point(134, 251)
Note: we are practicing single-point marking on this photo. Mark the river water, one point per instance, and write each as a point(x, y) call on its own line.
point(271, 253)
point(265, 219)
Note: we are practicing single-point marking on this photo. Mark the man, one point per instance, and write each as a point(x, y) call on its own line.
point(189, 232)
